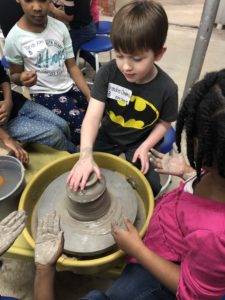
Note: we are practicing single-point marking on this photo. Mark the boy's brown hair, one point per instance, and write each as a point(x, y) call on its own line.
point(139, 26)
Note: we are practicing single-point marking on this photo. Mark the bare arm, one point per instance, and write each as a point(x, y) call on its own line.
point(86, 165)
point(157, 134)
point(60, 14)
point(130, 242)
point(13, 145)
point(154, 137)
point(44, 282)
point(7, 104)
point(48, 248)
point(21, 77)
point(78, 77)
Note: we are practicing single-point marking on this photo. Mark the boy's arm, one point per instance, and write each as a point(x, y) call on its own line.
point(157, 134)
point(86, 165)
point(21, 77)
point(78, 77)
point(154, 137)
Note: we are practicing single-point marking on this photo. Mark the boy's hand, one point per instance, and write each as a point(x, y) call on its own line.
point(17, 149)
point(28, 78)
point(5, 110)
point(49, 241)
point(142, 154)
point(81, 171)
point(128, 239)
point(10, 229)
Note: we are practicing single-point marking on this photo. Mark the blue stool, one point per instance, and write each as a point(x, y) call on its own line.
point(104, 27)
point(166, 147)
point(101, 43)
point(4, 63)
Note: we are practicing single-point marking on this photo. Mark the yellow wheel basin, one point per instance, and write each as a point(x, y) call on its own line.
point(47, 174)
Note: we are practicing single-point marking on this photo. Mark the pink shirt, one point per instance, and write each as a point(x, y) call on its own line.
point(190, 230)
point(95, 11)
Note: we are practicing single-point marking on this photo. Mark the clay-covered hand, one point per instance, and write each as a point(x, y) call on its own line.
point(142, 154)
point(10, 228)
point(171, 165)
point(28, 78)
point(127, 237)
point(81, 171)
point(49, 240)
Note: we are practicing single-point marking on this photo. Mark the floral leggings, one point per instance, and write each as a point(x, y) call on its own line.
point(71, 106)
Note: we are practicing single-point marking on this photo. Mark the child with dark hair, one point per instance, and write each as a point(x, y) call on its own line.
point(40, 54)
point(22, 120)
point(78, 14)
point(183, 252)
point(182, 255)
point(136, 98)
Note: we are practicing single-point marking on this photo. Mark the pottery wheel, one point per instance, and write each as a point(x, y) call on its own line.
point(89, 238)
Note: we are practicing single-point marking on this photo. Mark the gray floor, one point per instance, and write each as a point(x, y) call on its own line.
point(16, 276)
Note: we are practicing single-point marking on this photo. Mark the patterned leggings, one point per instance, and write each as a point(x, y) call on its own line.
point(71, 106)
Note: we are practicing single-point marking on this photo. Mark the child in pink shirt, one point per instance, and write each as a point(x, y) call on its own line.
point(182, 255)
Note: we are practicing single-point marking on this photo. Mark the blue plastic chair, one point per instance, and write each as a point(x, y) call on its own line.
point(168, 141)
point(166, 147)
point(101, 43)
point(4, 63)
point(104, 27)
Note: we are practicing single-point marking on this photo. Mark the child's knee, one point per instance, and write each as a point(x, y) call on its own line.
point(95, 295)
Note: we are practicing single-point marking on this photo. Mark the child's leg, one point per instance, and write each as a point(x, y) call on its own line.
point(80, 36)
point(26, 129)
point(135, 283)
point(65, 107)
point(40, 113)
point(152, 176)
point(78, 97)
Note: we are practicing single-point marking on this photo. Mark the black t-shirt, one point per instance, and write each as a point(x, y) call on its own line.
point(10, 13)
point(132, 110)
point(81, 11)
point(18, 99)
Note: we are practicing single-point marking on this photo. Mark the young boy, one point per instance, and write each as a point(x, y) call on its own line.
point(138, 99)
point(40, 54)
point(26, 121)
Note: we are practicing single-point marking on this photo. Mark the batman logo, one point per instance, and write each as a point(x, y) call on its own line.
point(138, 114)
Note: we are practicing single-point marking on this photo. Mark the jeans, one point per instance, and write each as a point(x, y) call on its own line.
point(83, 35)
point(135, 283)
point(35, 123)
point(103, 144)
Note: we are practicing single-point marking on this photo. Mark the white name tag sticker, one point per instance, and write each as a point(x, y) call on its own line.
point(119, 93)
point(32, 48)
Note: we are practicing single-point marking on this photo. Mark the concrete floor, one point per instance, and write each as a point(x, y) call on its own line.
point(16, 277)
